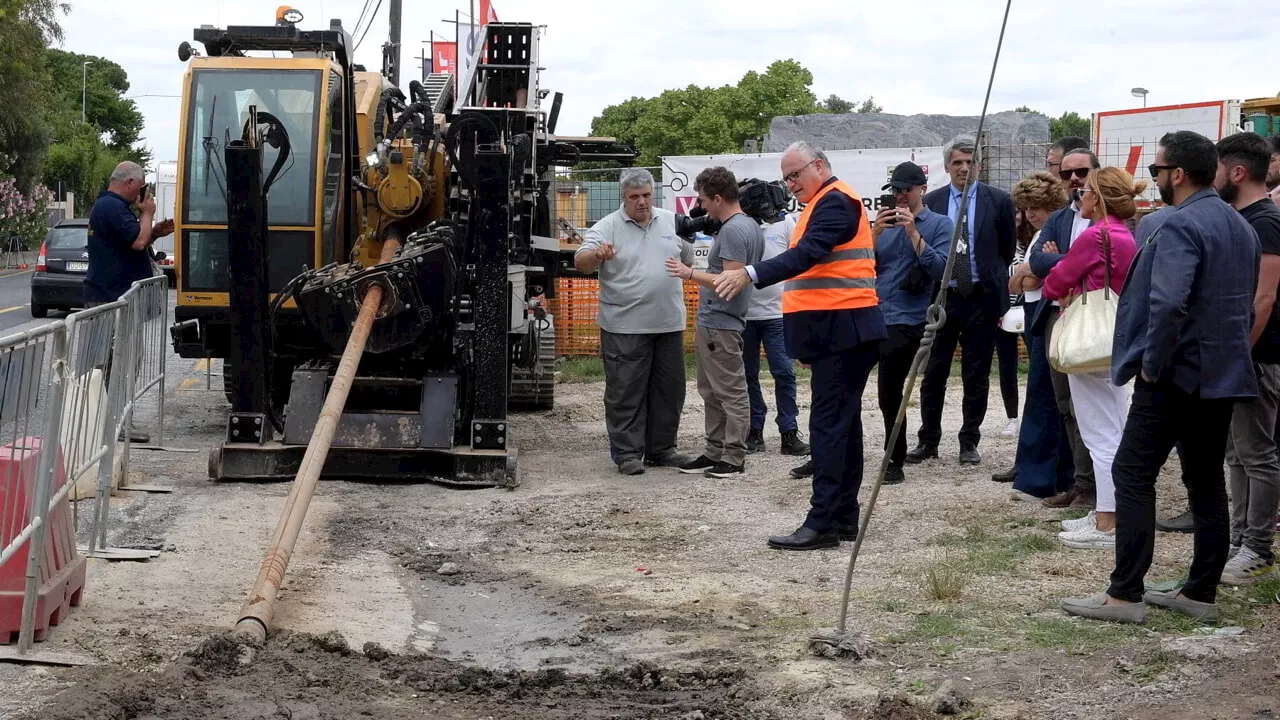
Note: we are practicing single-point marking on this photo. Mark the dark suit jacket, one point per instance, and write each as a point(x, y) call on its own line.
point(1186, 311)
point(994, 241)
point(1058, 229)
point(812, 334)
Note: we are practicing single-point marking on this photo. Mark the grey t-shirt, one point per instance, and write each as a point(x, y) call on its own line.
point(740, 239)
point(637, 296)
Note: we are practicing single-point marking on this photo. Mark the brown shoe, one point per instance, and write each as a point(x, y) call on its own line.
point(1084, 501)
point(1062, 499)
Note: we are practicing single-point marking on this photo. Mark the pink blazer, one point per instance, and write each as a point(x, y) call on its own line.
point(1086, 261)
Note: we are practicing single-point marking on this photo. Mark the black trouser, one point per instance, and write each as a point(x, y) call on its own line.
point(643, 392)
point(835, 429)
point(971, 325)
point(1160, 416)
point(1007, 358)
point(896, 353)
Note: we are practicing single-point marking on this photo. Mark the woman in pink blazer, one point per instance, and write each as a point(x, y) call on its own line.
point(1101, 408)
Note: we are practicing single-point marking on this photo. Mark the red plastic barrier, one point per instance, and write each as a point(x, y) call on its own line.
point(62, 571)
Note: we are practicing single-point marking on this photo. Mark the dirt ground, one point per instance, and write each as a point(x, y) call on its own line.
point(584, 594)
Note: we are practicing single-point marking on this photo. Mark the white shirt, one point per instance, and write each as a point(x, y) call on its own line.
point(766, 303)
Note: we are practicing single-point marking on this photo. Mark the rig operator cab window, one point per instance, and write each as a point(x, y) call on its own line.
point(219, 109)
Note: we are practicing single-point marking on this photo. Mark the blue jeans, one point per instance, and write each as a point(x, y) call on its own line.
point(770, 333)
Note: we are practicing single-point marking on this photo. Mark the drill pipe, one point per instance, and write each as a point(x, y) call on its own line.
point(255, 617)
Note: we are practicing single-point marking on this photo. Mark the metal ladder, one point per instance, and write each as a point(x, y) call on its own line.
point(439, 87)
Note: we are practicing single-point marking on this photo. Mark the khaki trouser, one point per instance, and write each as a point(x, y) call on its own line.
point(722, 383)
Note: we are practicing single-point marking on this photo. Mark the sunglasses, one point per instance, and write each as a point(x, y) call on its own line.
point(1155, 169)
point(1080, 173)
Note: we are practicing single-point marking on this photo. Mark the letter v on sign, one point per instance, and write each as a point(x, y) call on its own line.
point(1131, 165)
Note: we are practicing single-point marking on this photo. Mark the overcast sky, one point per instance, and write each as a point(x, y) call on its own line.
point(931, 58)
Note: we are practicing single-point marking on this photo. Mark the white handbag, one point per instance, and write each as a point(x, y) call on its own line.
point(1081, 339)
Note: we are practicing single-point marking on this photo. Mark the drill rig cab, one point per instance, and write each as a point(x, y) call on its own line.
point(304, 183)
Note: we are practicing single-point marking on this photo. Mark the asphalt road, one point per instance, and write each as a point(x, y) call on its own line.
point(15, 302)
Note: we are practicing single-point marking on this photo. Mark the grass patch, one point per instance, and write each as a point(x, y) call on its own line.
point(990, 554)
point(1161, 662)
point(1264, 592)
point(894, 605)
point(945, 580)
point(1078, 637)
point(580, 369)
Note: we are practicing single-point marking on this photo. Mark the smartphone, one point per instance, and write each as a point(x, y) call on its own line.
point(142, 194)
point(889, 201)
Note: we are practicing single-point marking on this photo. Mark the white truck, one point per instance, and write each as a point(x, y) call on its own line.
point(1130, 138)
point(164, 185)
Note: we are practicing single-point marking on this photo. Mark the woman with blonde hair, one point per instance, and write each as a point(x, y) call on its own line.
point(1043, 460)
point(1100, 406)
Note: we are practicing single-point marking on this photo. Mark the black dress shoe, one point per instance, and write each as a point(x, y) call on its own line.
point(755, 440)
point(893, 475)
point(921, 453)
point(805, 539)
point(804, 471)
point(1177, 524)
point(970, 456)
point(847, 533)
point(1007, 476)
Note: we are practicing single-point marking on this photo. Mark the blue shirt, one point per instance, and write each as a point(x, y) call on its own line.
point(895, 259)
point(953, 212)
point(113, 263)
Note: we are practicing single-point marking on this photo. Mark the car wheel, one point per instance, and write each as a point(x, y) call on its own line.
point(39, 311)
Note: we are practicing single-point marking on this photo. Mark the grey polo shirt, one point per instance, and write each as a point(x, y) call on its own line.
point(637, 296)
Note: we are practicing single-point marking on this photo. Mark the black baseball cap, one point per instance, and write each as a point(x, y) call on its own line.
point(906, 176)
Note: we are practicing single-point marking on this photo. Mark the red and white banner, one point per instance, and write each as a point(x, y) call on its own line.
point(444, 57)
point(487, 13)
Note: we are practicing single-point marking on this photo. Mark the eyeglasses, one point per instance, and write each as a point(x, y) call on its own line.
point(795, 174)
point(1080, 173)
point(1155, 169)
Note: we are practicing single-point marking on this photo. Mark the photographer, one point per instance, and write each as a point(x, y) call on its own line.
point(911, 253)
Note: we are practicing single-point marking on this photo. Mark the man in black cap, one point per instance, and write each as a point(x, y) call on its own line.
point(911, 254)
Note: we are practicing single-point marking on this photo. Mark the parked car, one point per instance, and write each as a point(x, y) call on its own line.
point(58, 282)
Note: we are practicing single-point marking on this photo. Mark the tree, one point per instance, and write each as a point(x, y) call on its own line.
point(869, 105)
point(1069, 124)
point(837, 105)
point(702, 120)
point(26, 29)
point(1025, 109)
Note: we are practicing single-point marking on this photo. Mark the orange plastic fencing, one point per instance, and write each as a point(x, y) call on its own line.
point(575, 307)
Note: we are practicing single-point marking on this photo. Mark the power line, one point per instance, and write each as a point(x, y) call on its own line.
point(360, 17)
point(368, 25)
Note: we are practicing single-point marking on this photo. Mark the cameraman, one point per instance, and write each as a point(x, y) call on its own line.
point(911, 253)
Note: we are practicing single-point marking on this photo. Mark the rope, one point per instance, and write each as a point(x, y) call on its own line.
point(935, 319)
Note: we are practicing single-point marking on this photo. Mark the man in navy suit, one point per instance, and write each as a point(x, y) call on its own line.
point(1183, 336)
point(978, 297)
point(1055, 240)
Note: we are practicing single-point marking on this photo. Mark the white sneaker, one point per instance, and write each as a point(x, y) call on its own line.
point(1010, 430)
point(1246, 567)
point(1087, 521)
point(1090, 538)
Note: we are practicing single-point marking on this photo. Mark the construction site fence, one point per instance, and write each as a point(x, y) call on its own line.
point(79, 380)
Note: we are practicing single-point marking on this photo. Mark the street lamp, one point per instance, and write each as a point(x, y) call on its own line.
point(1140, 92)
point(84, 86)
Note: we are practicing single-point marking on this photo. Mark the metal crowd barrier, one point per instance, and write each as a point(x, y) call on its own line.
point(79, 380)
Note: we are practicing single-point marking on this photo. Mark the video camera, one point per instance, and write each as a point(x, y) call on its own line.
point(764, 202)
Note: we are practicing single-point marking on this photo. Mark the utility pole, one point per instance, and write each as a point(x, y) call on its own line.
point(391, 53)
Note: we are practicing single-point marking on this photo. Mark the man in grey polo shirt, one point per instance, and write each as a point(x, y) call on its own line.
point(722, 380)
point(642, 320)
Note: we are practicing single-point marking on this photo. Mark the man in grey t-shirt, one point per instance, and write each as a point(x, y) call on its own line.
point(642, 320)
point(722, 380)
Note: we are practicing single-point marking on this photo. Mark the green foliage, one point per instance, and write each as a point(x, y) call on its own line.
point(869, 105)
point(1025, 109)
point(22, 214)
point(26, 28)
point(699, 120)
point(1069, 124)
point(836, 105)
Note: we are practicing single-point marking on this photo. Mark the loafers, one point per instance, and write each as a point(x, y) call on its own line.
point(1062, 499)
point(1007, 476)
point(805, 539)
point(1183, 523)
point(632, 466)
point(1171, 600)
point(1095, 608)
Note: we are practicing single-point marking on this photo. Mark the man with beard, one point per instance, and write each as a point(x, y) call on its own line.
point(1183, 336)
point(1062, 228)
point(1251, 450)
point(1273, 171)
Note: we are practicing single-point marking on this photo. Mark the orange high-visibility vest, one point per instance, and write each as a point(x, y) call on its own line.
point(843, 280)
